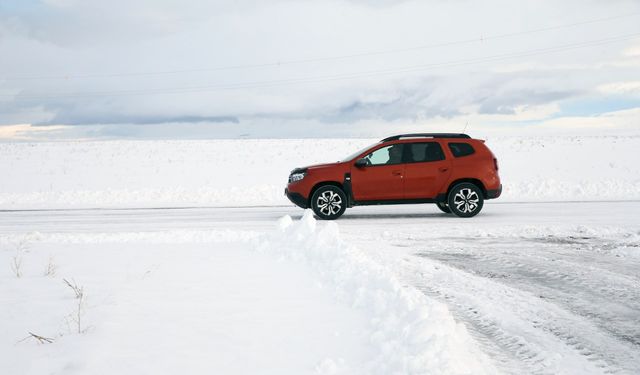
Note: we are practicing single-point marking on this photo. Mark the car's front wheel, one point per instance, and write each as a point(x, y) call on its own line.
point(329, 202)
point(465, 200)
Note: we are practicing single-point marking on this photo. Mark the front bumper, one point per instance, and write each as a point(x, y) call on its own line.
point(493, 194)
point(296, 198)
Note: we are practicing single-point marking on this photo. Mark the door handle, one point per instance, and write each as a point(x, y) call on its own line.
point(443, 169)
point(397, 173)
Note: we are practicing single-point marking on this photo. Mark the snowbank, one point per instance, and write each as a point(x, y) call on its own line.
point(254, 172)
point(295, 301)
point(412, 333)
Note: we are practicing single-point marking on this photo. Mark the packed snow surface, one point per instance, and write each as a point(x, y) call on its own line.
point(254, 172)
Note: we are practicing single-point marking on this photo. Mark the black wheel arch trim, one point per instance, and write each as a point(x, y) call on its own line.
point(474, 181)
point(325, 183)
point(348, 190)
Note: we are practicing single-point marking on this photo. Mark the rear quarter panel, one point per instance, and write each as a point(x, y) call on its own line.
point(478, 165)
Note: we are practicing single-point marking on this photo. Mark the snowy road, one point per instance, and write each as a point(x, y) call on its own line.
point(259, 217)
point(543, 287)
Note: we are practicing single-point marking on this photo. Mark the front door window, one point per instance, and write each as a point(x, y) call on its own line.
point(388, 155)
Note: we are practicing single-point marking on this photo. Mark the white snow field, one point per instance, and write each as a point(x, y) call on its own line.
point(190, 261)
point(253, 172)
point(296, 300)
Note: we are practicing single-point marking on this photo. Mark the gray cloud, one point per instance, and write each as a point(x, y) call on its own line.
point(140, 120)
point(89, 55)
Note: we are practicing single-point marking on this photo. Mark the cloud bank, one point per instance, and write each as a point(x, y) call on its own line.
point(286, 68)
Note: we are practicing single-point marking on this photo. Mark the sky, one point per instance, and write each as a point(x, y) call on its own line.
point(168, 69)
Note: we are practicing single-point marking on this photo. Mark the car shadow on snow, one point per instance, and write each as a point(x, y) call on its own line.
point(396, 216)
point(399, 215)
point(411, 215)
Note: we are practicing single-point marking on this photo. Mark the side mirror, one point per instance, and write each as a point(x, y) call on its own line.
point(361, 163)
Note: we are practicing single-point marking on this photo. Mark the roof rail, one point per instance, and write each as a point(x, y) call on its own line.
point(426, 135)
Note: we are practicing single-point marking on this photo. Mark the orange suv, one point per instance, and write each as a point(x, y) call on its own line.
point(454, 171)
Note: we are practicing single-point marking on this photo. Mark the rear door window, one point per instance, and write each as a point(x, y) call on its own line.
point(424, 151)
point(461, 149)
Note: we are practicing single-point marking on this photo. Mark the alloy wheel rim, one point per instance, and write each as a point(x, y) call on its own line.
point(466, 200)
point(329, 203)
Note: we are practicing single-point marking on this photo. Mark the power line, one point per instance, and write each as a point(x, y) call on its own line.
point(336, 77)
point(325, 59)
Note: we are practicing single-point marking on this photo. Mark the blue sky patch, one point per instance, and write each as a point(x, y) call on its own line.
point(595, 106)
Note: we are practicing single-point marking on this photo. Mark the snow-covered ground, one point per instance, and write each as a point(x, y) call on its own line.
point(536, 287)
point(293, 300)
point(532, 287)
point(253, 172)
point(543, 287)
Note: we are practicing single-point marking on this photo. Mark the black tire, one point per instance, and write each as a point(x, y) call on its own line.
point(465, 200)
point(444, 207)
point(329, 202)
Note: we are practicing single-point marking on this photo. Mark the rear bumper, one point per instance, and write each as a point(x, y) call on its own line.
point(296, 198)
point(493, 194)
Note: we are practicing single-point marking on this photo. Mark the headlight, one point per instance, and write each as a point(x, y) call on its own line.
point(296, 176)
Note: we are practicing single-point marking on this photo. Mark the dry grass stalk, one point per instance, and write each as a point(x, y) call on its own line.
point(78, 290)
point(76, 316)
point(41, 339)
point(16, 262)
point(51, 269)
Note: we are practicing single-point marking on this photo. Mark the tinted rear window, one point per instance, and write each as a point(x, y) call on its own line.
point(425, 151)
point(461, 149)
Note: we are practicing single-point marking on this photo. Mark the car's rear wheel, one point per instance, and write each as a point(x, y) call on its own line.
point(465, 200)
point(444, 207)
point(329, 202)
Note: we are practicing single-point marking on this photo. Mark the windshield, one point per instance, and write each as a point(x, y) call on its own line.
point(352, 156)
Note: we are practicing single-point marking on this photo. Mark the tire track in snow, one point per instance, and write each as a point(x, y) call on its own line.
point(521, 332)
point(610, 300)
point(590, 308)
point(511, 353)
point(542, 320)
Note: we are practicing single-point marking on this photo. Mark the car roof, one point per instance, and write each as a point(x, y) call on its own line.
point(426, 135)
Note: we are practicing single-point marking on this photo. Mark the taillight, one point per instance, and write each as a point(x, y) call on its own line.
point(495, 163)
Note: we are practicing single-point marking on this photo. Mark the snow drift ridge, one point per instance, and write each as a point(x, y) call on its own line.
point(413, 333)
